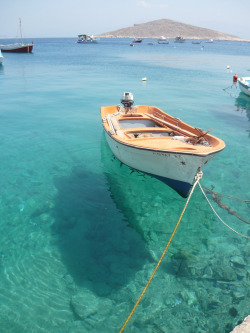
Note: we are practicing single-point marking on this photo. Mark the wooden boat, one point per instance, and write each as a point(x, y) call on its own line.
point(149, 140)
point(244, 84)
point(18, 47)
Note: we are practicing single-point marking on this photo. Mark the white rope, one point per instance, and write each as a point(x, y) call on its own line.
point(218, 215)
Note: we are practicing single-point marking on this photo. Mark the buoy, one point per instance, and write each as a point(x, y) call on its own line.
point(144, 79)
point(228, 67)
point(235, 78)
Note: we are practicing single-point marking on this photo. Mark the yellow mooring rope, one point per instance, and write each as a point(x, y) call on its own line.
point(197, 177)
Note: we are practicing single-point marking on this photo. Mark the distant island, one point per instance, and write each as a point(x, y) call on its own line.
point(168, 29)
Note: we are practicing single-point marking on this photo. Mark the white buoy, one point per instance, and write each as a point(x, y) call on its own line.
point(228, 67)
point(144, 79)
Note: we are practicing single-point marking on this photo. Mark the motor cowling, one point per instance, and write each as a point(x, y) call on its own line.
point(127, 99)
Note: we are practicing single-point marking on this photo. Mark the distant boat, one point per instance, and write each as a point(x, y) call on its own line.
point(179, 39)
point(18, 47)
point(244, 84)
point(150, 43)
point(147, 139)
point(83, 39)
point(1, 57)
point(137, 40)
point(162, 40)
point(210, 41)
point(196, 41)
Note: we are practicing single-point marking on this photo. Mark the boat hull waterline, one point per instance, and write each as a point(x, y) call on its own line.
point(244, 84)
point(176, 170)
point(17, 48)
point(1, 57)
point(162, 157)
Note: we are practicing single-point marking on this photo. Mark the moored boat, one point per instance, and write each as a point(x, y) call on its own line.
point(137, 40)
point(244, 84)
point(179, 39)
point(149, 140)
point(83, 39)
point(18, 47)
point(162, 40)
point(1, 57)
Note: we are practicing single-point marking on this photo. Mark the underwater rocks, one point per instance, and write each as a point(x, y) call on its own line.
point(85, 305)
point(209, 267)
point(243, 327)
point(238, 261)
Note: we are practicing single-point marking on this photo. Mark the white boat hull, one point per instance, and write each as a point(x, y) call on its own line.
point(244, 85)
point(178, 170)
point(1, 57)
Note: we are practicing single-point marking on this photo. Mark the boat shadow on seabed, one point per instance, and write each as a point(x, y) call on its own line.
point(92, 235)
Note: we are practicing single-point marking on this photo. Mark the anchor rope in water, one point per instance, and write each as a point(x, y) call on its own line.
point(226, 196)
point(216, 198)
point(197, 178)
point(218, 215)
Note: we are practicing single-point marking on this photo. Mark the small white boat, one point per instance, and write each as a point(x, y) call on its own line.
point(149, 140)
point(83, 39)
point(210, 41)
point(1, 57)
point(244, 84)
point(162, 40)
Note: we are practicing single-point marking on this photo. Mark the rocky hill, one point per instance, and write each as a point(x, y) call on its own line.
point(168, 29)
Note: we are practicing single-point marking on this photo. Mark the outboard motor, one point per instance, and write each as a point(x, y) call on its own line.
point(127, 100)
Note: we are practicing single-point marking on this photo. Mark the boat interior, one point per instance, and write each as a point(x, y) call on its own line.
point(151, 127)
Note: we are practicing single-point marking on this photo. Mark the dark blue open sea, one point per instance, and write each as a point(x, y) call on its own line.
point(81, 234)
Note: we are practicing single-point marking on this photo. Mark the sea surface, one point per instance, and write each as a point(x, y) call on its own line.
point(80, 234)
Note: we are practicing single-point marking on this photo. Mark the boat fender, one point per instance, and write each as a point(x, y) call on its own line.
point(235, 78)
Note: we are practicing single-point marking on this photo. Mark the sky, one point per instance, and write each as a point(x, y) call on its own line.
point(68, 18)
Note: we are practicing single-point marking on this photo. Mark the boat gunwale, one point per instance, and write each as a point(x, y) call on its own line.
point(160, 150)
point(243, 82)
point(125, 139)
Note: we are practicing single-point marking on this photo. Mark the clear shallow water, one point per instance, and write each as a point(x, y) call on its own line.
point(80, 235)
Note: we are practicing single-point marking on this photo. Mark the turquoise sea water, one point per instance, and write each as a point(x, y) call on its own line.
point(81, 234)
